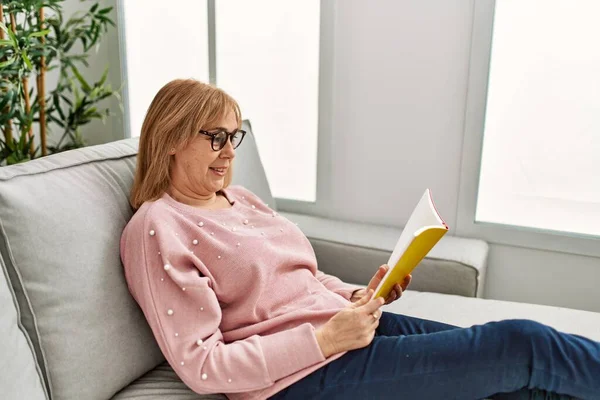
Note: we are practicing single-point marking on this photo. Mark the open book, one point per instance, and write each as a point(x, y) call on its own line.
point(423, 230)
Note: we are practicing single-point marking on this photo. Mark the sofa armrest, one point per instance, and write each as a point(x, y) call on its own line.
point(353, 251)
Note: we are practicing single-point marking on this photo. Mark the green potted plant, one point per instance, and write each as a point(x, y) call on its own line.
point(32, 43)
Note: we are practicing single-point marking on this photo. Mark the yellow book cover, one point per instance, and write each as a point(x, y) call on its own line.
point(423, 230)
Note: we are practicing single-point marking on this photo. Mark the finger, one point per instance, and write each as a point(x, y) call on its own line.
point(374, 282)
point(399, 291)
point(407, 280)
point(372, 305)
point(381, 271)
point(392, 296)
point(375, 318)
point(363, 300)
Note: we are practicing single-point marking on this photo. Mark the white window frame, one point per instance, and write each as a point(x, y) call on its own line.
point(565, 242)
point(325, 98)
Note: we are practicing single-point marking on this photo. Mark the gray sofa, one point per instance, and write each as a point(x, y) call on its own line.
point(70, 329)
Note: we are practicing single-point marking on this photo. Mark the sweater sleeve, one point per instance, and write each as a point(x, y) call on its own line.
point(185, 315)
point(336, 285)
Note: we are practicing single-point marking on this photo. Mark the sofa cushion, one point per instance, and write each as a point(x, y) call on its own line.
point(21, 377)
point(465, 311)
point(62, 218)
point(162, 383)
point(248, 170)
point(352, 251)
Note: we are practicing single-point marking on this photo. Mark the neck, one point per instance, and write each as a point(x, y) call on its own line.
point(192, 199)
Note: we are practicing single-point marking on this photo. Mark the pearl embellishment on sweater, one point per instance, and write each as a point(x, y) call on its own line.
point(152, 232)
point(201, 308)
point(167, 267)
point(199, 342)
point(245, 222)
point(229, 380)
point(253, 206)
point(233, 229)
point(204, 348)
point(195, 241)
point(212, 234)
point(183, 289)
point(176, 334)
point(219, 257)
point(182, 363)
point(237, 245)
point(204, 376)
point(170, 312)
point(200, 223)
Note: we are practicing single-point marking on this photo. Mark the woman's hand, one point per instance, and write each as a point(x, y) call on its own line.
point(395, 293)
point(351, 328)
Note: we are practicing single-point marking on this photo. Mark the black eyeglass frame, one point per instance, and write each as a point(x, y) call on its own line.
point(213, 135)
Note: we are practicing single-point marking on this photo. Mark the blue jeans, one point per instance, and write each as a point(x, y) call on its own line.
point(412, 358)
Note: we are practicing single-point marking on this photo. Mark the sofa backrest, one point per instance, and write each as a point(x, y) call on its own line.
point(21, 376)
point(61, 219)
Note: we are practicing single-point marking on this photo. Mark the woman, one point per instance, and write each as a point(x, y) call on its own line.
point(234, 298)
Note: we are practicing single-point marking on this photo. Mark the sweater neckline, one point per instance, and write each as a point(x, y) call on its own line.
point(203, 211)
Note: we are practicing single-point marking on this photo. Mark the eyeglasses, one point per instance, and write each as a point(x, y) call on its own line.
point(219, 138)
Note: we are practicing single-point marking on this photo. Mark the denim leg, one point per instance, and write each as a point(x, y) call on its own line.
point(466, 363)
point(391, 324)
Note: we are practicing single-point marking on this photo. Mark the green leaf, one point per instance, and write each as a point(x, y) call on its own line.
point(26, 59)
point(103, 78)
point(105, 10)
point(66, 100)
point(22, 140)
point(7, 62)
point(14, 39)
point(94, 8)
point(5, 42)
point(39, 34)
point(86, 87)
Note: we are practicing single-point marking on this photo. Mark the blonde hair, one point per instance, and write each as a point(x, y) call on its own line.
point(178, 111)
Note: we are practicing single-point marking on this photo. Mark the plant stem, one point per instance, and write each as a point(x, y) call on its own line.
point(41, 88)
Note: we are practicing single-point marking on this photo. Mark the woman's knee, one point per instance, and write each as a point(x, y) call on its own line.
point(522, 327)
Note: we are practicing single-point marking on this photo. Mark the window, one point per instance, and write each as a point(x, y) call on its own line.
point(160, 43)
point(266, 55)
point(539, 164)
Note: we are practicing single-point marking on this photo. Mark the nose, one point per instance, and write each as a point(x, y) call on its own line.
point(227, 151)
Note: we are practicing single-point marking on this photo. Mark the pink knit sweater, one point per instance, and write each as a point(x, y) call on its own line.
point(233, 296)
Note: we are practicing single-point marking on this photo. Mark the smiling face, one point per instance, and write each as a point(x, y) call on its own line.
point(192, 171)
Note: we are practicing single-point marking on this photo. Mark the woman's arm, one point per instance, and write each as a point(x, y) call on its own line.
point(336, 285)
point(184, 314)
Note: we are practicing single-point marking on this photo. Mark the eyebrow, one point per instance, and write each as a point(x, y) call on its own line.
point(220, 128)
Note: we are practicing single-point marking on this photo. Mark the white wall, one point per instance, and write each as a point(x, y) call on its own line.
point(401, 67)
point(400, 70)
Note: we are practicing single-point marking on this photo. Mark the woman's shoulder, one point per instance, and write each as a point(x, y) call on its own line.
point(243, 193)
point(151, 211)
